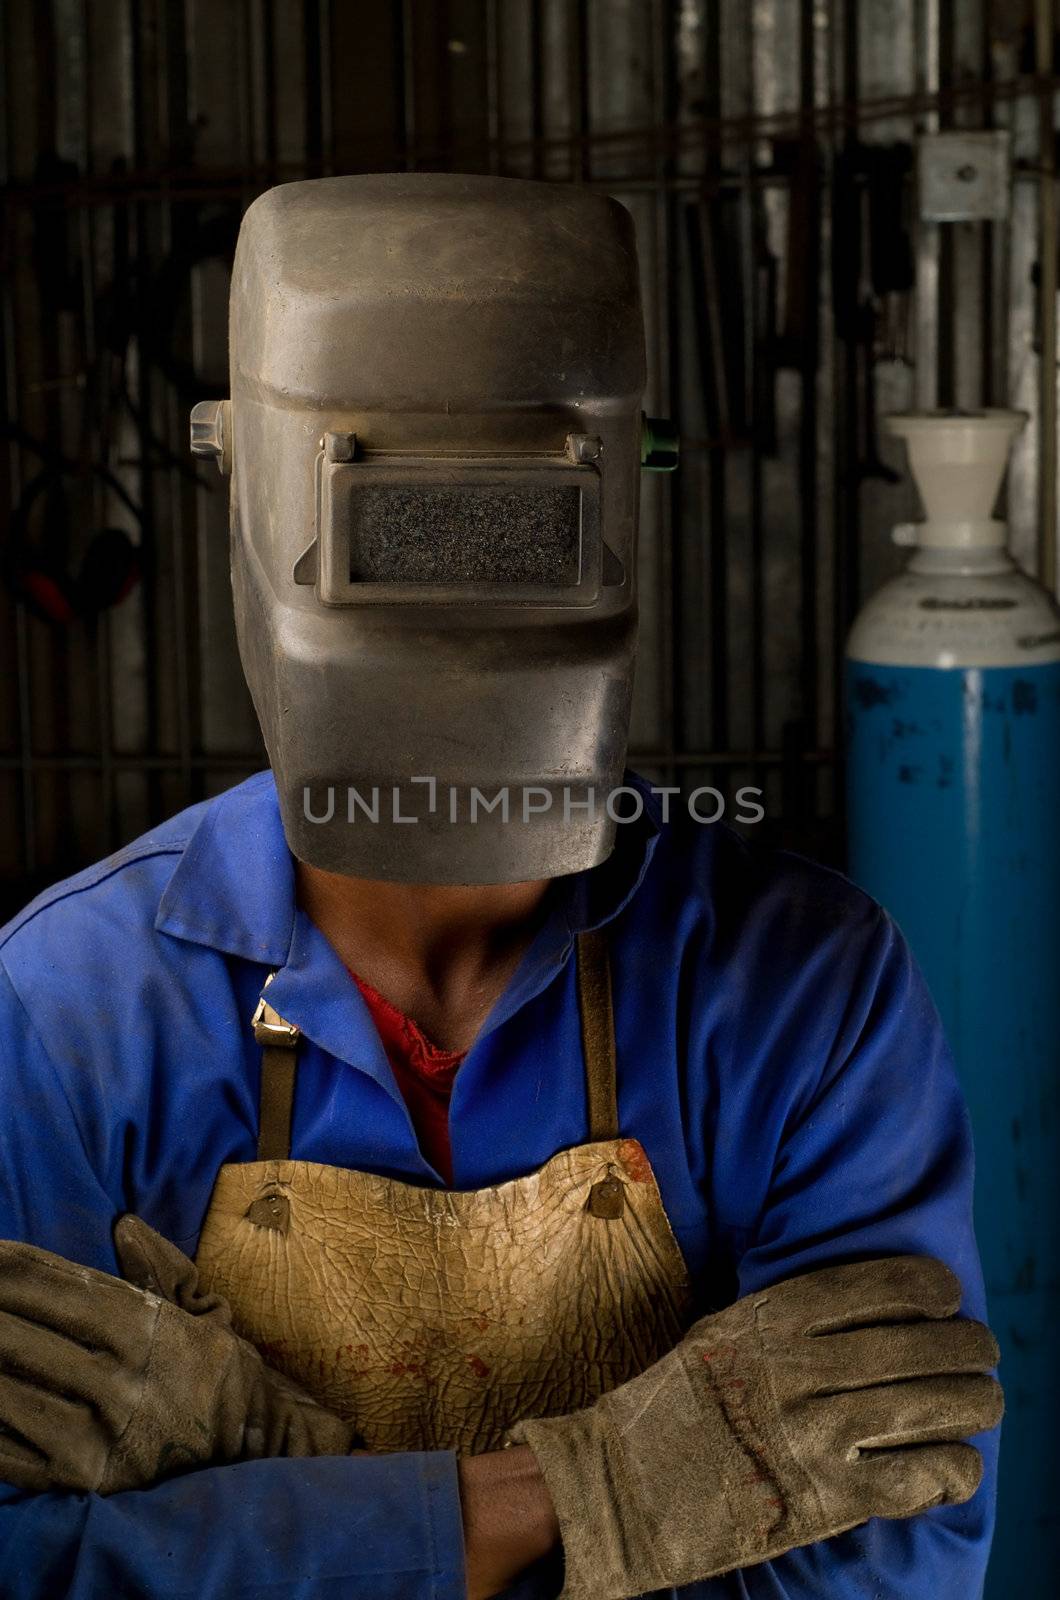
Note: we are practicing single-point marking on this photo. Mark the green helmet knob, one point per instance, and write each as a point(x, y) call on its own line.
point(660, 444)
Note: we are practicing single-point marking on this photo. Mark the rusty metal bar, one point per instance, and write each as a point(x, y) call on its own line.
point(790, 123)
point(22, 763)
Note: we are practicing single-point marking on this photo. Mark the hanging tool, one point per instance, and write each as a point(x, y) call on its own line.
point(719, 312)
point(872, 276)
point(797, 342)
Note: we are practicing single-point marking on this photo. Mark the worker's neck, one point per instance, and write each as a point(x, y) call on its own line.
point(440, 953)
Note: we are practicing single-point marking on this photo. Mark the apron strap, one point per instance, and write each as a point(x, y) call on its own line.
point(598, 1034)
point(279, 1063)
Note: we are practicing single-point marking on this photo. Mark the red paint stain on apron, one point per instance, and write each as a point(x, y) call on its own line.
point(634, 1161)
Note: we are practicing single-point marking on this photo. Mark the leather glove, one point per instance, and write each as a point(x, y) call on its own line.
point(105, 1385)
point(798, 1412)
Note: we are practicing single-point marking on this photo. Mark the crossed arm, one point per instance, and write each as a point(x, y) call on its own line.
point(112, 1384)
point(371, 1528)
point(798, 1413)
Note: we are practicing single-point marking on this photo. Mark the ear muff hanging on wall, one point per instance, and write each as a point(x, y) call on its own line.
point(36, 564)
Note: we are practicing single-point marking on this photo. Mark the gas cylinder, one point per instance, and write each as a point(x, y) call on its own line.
point(953, 786)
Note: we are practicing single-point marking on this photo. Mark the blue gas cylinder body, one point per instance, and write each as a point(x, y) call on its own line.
point(953, 789)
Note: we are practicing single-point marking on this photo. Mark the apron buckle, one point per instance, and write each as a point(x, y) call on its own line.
point(271, 1029)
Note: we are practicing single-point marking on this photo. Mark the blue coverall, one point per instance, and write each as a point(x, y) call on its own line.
point(778, 1057)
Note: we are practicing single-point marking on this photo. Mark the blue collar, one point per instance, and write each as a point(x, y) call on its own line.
point(234, 891)
point(233, 888)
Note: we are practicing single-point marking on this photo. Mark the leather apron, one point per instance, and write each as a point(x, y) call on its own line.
point(435, 1319)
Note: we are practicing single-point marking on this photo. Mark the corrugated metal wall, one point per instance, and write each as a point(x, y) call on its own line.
point(136, 131)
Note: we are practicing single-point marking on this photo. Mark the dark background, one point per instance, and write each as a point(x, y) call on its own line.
point(764, 148)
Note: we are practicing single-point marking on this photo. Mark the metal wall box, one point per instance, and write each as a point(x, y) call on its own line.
point(964, 177)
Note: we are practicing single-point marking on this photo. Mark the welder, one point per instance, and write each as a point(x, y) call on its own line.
point(424, 1170)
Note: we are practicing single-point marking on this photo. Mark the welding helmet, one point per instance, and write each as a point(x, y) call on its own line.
point(434, 436)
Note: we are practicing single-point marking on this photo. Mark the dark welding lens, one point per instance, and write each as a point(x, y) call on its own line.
point(466, 534)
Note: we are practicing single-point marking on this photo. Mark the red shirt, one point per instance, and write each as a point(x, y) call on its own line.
point(424, 1074)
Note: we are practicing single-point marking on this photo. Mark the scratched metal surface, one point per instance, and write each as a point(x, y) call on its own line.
point(136, 131)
